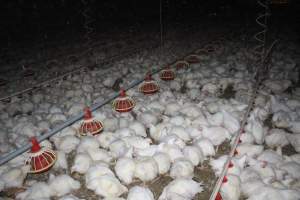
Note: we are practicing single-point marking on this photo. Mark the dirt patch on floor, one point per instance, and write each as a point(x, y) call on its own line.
point(288, 150)
point(228, 93)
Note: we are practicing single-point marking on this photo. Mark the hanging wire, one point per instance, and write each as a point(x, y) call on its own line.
point(261, 36)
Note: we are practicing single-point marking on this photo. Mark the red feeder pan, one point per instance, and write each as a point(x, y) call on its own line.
point(192, 59)
point(149, 86)
point(181, 64)
point(40, 158)
point(123, 103)
point(90, 125)
point(167, 74)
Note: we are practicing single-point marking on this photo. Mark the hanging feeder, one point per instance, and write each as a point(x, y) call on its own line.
point(181, 64)
point(167, 74)
point(40, 158)
point(192, 59)
point(123, 103)
point(149, 86)
point(90, 126)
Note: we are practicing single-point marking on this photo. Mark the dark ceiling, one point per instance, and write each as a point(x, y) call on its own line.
point(20, 18)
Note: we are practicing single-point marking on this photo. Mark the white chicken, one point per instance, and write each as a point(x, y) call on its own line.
point(216, 134)
point(163, 162)
point(62, 184)
point(118, 148)
point(159, 131)
point(206, 146)
point(255, 127)
point(250, 150)
point(172, 109)
point(231, 188)
point(107, 186)
point(138, 193)
point(186, 188)
point(230, 123)
point(148, 118)
point(110, 124)
point(146, 169)
point(235, 167)
point(106, 138)
point(281, 119)
point(182, 168)
point(67, 143)
point(173, 140)
point(139, 128)
point(37, 191)
point(124, 132)
point(124, 169)
point(137, 142)
point(180, 132)
point(82, 163)
point(98, 154)
point(14, 177)
point(69, 197)
point(173, 150)
point(291, 168)
point(87, 142)
point(193, 154)
point(61, 161)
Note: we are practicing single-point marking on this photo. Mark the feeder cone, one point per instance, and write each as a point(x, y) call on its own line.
point(40, 159)
point(224, 179)
point(219, 196)
point(149, 86)
point(167, 74)
point(235, 152)
point(90, 126)
point(123, 103)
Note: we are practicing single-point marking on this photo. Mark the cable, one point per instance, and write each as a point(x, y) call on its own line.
point(261, 36)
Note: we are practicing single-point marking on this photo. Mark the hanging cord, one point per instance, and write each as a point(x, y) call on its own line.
point(261, 36)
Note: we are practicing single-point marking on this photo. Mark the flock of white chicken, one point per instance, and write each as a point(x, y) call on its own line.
point(167, 134)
